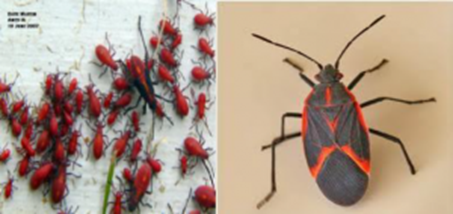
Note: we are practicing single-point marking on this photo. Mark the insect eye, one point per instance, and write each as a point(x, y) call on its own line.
point(339, 76)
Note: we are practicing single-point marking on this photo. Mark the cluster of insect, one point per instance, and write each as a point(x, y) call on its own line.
point(51, 139)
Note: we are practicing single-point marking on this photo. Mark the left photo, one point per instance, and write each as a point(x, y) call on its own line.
point(108, 107)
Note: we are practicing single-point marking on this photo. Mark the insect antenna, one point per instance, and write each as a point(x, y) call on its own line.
point(337, 63)
point(288, 48)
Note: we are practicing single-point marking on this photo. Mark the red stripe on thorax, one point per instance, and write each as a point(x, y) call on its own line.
point(328, 96)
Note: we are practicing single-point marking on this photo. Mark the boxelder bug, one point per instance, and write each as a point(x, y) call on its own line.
point(334, 132)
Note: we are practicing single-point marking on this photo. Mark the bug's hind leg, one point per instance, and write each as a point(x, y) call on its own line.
point(362, 74)
point(409, 102)
point(275, 142)
point(398, 141)
point(284, 137)
point(301, 74)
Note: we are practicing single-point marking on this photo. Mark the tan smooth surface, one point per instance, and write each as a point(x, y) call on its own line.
point(256, 88)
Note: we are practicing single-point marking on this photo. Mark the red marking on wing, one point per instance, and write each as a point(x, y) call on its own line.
point(363, 164)
point(332, 124)
point(328, 96)
point(304, 123)
point(325, 152)
point(305, 116)
point(358, 109)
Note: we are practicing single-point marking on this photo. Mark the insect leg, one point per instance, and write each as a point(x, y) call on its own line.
point(275, 142)
point(282, 136)
point(301, 74)
point(362, 74)
point(380, 99)
point(398, 141)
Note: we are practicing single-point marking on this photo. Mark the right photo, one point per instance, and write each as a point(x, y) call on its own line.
point(335, 107)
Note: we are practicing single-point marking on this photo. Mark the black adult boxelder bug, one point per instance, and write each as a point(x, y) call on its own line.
point(334, 132)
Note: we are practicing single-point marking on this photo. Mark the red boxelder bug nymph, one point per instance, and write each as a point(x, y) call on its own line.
point(6, 87)
point(202, 74)
point(118, 206)
point(139, 186)
point(59, 185)
point(334, 132)
point(99, 140)
point(104, 56)
point(206, 196)
point(121, 143)
point(135, 150)
point(94, 102)
point(5, 154)
point(23, 166)
point(9, 186)
point(202, 105)
point(195, 153)
point(41, 175)
point(205, 47)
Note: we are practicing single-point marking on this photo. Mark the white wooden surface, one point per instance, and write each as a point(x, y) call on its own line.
point(68, 34)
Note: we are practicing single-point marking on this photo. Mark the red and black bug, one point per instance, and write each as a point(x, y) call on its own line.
point(138, 73)
point(334, 131)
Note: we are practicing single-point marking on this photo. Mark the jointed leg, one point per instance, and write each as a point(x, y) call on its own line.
point(282, 137)
point(380, 99)
point(273, 180)
point(275, 142)
point(398, 141)
point(301, 74)
point(361, 74)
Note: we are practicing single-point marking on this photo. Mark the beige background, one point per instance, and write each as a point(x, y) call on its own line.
point(256, 88)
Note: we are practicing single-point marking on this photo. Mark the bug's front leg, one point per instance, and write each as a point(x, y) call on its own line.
point(362, 74)
point(301, 74)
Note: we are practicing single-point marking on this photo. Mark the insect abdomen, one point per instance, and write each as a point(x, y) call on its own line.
point(341, 180)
